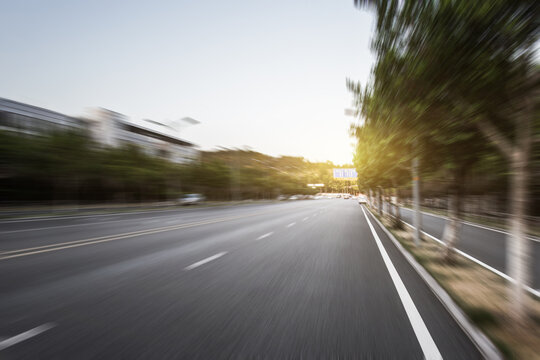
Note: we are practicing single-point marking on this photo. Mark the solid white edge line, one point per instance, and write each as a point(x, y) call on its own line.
point(25, 335)
point(425, 233)
point(484, 345)
point(532, 238)
point(265, 235)
point(204, 261)
point(291, 224)
point(429, 348)
point(534, 292)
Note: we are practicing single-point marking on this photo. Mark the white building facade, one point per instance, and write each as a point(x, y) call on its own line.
point(106, 127)
point(17, 117)
point(114, 129)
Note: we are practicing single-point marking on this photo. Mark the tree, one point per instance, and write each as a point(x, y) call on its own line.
point(477, 60)
point(382, 152)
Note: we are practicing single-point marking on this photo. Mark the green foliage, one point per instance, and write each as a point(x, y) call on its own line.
point(441, 67)
point(67, 166)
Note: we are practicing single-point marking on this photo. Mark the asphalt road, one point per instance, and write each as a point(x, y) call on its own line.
point(305, 279)
point(484, 244)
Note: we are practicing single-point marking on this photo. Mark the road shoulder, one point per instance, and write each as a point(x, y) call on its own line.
point(482, 343)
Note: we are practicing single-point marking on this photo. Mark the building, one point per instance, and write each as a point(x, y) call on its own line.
point(114, 129)
point(32, 120)
point(106, 127)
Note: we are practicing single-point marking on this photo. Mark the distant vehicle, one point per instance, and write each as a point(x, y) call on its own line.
point(346, 196)
point(362, 199)
point(338, 196)
point(294, 197)
point(281, 197)
point(191, 199)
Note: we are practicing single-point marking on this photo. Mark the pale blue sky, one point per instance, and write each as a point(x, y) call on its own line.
point(266, 74)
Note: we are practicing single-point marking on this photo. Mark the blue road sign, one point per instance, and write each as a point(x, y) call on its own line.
point(345, 174)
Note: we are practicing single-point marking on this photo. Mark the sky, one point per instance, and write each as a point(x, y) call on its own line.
point(268, 75)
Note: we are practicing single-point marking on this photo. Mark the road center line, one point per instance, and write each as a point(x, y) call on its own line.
point(429, 348)
point(265, 235)
point(291, 224)
point(107, 238)
point(9, 254)
point(25, 335)
point(204, 261)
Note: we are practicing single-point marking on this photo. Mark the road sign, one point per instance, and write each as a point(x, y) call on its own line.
point(345, 174)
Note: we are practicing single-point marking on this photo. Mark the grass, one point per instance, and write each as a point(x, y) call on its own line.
point(481, 295)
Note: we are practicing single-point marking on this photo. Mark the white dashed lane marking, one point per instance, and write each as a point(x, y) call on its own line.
point(264, 236)
point(25, 335)
point(204, 261)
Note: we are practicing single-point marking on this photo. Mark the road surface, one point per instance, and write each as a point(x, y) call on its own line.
point(305, 279)
point(485, 244)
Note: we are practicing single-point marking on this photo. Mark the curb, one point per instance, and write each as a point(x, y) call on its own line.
point(481, 341)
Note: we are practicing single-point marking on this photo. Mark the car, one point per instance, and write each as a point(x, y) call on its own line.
point(294, 197)
point(191, 199)
point(362, 199)
point(346, 196)
point(282, 197)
